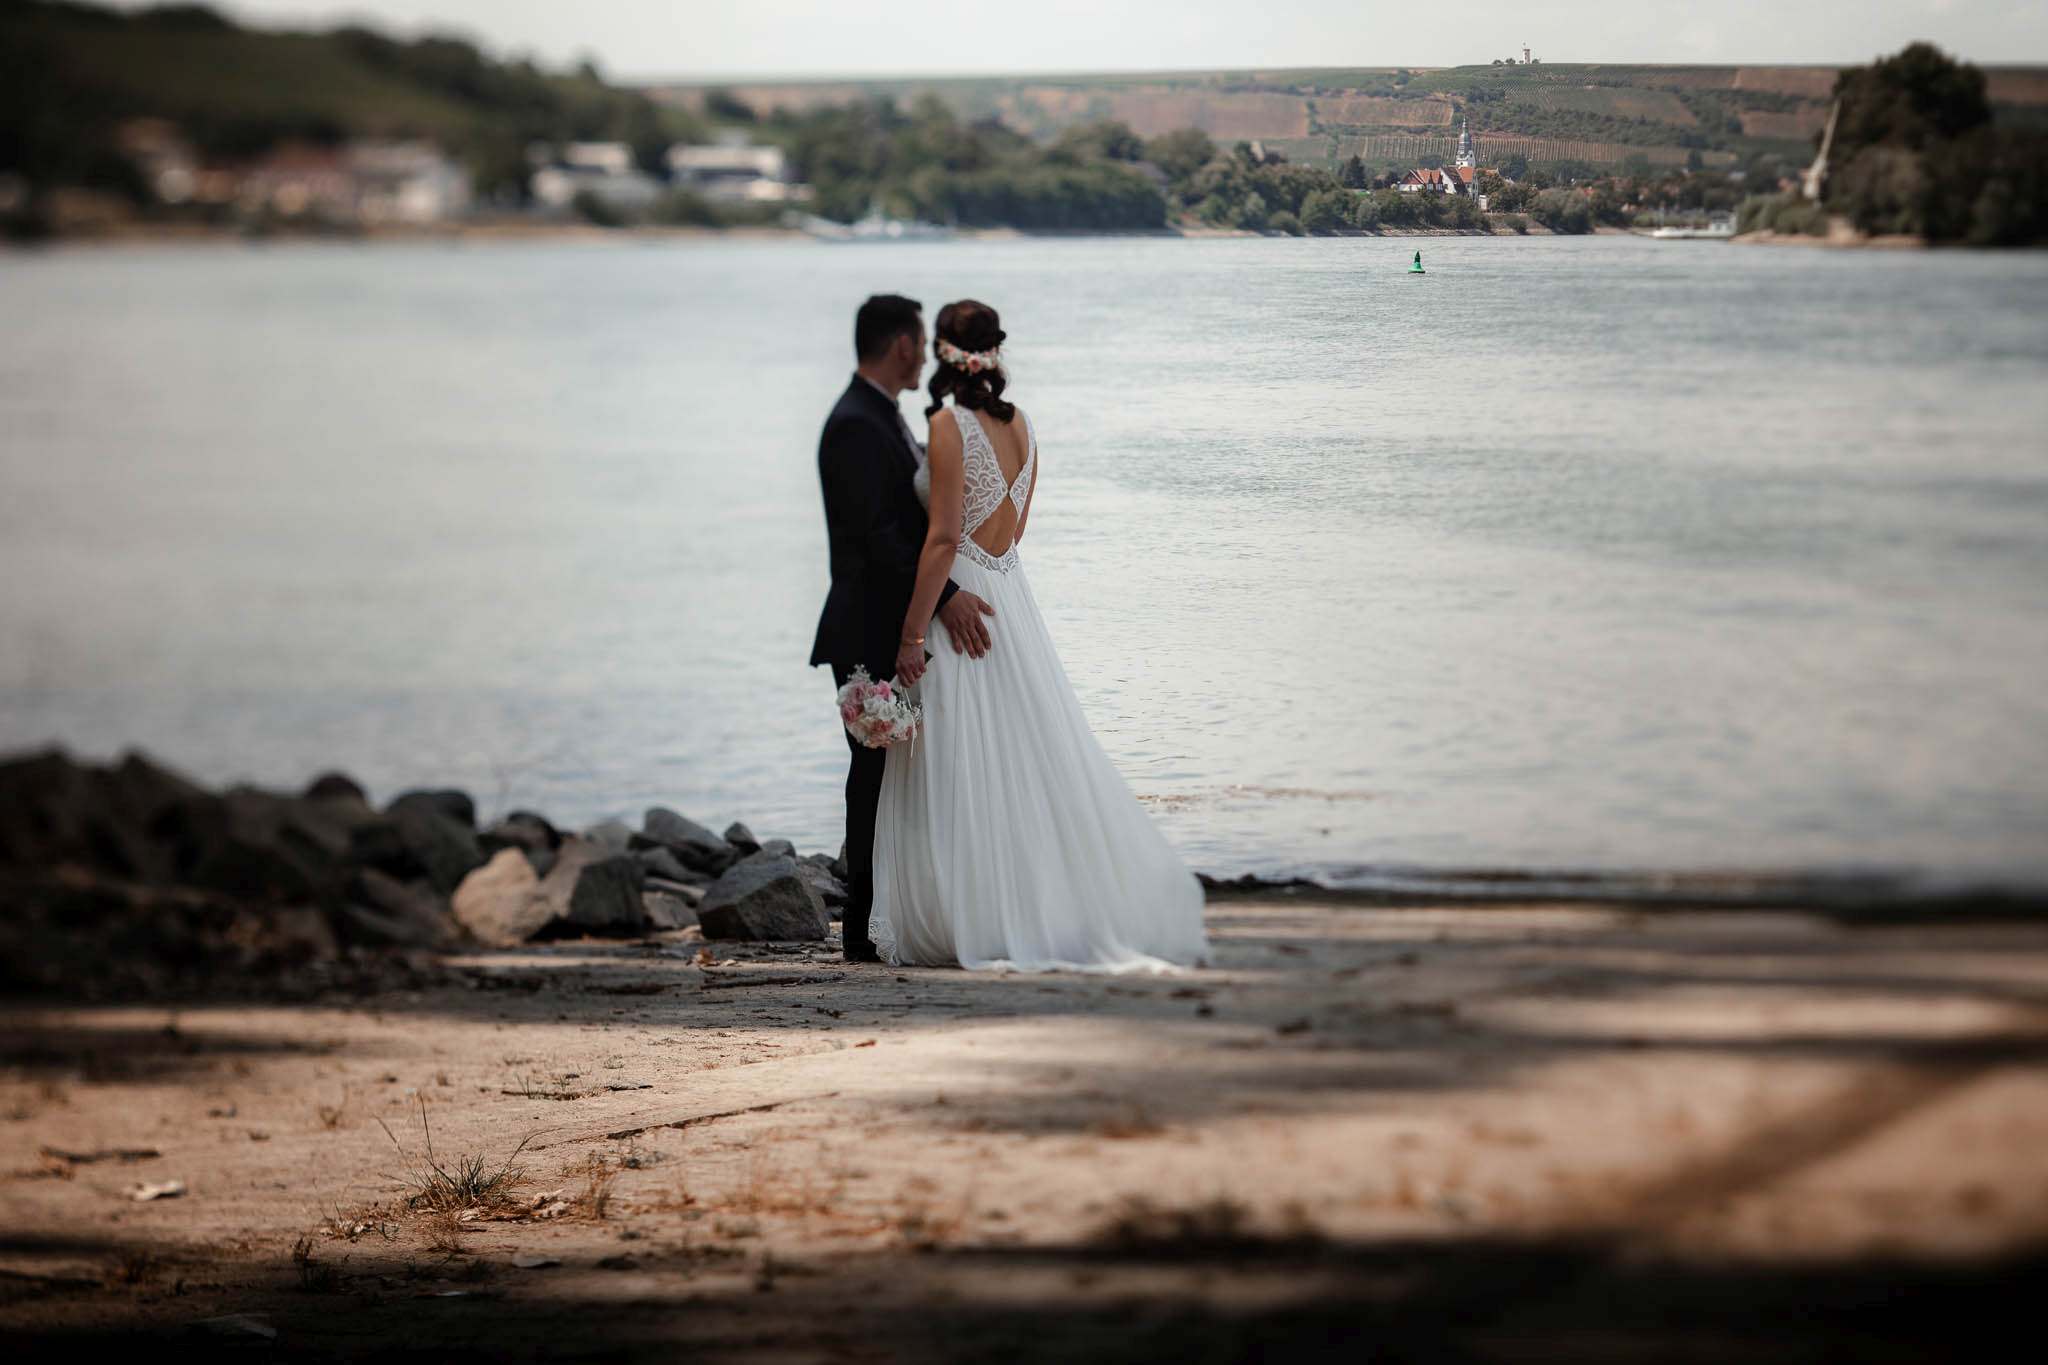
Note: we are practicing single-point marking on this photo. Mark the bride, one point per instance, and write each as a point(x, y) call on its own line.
point(1004, 837)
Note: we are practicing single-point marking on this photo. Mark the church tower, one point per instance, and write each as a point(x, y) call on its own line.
point(1465, 156)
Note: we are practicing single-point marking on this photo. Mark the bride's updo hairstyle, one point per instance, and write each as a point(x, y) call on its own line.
point(971, 326)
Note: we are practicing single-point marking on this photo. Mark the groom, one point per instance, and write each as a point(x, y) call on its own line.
point(876, 526)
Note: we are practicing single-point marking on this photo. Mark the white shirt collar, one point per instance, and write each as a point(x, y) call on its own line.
point(916, 446)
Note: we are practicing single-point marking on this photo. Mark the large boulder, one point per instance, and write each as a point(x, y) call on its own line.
point(181, 883)
point(138, 795)
point(763, 897)
point(527, 831)
point(259, 846)
point(697, 846)
point(666, 910)
point(660, 862)
point(419, 837)
point(591, 890)
point(693, 896)
point(331, 785)
point(607, 898)
point(497, 902)
point(454, 804)
point(141, 822)
point(830, 889)
point(54, 810)
point(87, 936)
point(615, 836)
point(382, 911)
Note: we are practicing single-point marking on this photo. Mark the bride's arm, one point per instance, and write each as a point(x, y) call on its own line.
point(941, 542)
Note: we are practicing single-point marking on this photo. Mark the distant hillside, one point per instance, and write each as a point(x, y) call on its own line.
point(1392, 115)
point(70, 72)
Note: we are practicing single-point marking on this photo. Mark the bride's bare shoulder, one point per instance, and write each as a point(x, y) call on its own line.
point(946, 444)
point(1021, 425)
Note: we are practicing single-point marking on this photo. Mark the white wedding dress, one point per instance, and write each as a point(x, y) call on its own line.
point(1005, 838)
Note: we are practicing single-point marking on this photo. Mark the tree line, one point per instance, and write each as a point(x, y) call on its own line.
point(1917, 151)
point(72, 73)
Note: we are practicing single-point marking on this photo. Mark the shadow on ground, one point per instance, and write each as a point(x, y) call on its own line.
point(1217, 1300)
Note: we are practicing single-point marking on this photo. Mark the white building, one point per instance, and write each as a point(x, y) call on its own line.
point(1459, 178)
point(732, 168)
point(603, 170)
point(407, 182)
point(166, 161)
point(299, 181)
point(1428, 178)
point(606, 158)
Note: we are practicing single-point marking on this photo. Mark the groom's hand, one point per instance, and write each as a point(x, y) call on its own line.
point(961, 617)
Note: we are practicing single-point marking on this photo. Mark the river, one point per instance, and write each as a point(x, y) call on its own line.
point(1589, 553)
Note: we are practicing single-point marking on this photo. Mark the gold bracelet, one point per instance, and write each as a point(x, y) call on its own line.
point(918, 640)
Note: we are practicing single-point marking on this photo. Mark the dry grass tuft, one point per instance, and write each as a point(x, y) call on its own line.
point(469, 1181)
point(1138, 1226)
point(315, 1275)
point(1134, 1122)
point(444, 1234)
point(137, 1267)
point(773, 1268)
point(767, 1189)
point(354, 1224)
point(598, 1177)
point(534, 1086)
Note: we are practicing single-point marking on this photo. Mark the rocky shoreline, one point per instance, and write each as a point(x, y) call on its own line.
point(128, 878)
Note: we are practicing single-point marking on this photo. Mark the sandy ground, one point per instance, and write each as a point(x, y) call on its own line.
point(1371, 1133)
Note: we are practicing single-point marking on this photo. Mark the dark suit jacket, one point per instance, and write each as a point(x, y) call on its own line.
point(876, 528)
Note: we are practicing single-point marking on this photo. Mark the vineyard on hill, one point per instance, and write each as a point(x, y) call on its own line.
point(1491, 149)
point(1389, 116)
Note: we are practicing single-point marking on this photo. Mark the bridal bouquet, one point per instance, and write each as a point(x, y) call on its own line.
point(877, 714)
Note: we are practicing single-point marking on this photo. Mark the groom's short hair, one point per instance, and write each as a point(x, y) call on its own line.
point(880, 321)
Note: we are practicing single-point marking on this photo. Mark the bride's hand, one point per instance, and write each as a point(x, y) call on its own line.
point(909, 662)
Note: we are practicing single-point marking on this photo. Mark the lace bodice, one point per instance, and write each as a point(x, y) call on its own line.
point(986, 488)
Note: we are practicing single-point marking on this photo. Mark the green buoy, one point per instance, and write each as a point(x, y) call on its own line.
point(1417, 269)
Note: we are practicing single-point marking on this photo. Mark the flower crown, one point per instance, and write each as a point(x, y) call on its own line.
point(974, 362)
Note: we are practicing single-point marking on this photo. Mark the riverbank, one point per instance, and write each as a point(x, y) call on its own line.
point(1850, 240)
point(1539, 1130)
point(141, 233)
point(129, 881)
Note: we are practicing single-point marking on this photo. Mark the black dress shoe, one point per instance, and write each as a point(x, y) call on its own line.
point(862, 952)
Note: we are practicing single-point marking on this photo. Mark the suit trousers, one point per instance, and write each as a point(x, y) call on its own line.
point(863, 793)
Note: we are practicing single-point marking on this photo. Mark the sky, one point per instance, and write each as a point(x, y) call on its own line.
point(654, 39)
